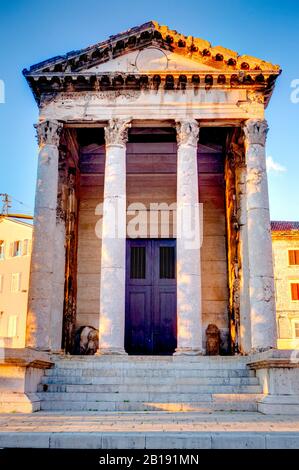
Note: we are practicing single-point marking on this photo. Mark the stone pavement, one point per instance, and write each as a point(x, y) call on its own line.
point(148, 430)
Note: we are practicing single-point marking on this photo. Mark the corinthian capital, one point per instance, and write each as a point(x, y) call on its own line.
point(48, 132)
point(116, 133)
point(256, 131)
point(187, 132)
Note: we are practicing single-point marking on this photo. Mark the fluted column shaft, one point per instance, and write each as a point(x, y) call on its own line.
point(260, 263)
point(112, 293)
point(189, 309)
point(38, 330)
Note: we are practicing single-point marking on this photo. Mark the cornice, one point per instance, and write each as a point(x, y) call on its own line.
point(57, 82)
point(227, 67)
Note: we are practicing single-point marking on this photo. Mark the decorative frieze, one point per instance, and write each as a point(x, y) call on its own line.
point(255, 97)
point(236, 155)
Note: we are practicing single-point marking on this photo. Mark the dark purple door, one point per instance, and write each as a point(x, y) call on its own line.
point(151, 297)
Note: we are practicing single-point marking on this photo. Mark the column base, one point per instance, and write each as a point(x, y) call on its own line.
point(111, 352)
point(189, 352)
point(261, 350)
point(60, 352)
point(279, 405)
point(14, 402)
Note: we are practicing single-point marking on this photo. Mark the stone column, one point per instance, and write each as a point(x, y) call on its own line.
point(57, 307)
point(244, 305)
point(38, 330)
point(113, 260)
point(189, 310)
point(260, 264)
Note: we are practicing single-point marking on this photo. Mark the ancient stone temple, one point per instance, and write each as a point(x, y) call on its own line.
point(152, 215)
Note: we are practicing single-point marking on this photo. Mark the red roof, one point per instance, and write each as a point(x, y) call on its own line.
point(283, 225)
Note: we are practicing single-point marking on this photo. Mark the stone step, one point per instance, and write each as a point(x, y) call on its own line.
point(57, 358)
point(138, 383)
point(171, 395)
point(148, 380)
point(226, 403)
point(206, 364)
point(148, 372)
point(149, 388)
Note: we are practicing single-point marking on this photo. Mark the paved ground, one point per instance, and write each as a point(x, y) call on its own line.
point(148, 430)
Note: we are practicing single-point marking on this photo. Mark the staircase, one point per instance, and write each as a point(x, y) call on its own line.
point(144, 383)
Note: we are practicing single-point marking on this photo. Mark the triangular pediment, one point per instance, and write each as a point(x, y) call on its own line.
point(150, 59)
point(151, 45)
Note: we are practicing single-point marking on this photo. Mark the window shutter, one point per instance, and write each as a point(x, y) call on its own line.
point(291, 257)
point(295, 291)
point(2, 249)
point(12, 326)
point(15, 282)
point(11, 249)
point(25, 248)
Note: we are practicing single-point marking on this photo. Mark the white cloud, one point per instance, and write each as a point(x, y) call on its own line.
point(274, 166)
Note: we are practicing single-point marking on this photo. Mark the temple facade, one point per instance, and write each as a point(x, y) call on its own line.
point(135, 133)
point(152, 240)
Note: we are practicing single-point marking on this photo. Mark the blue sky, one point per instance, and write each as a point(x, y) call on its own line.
point(31, 31)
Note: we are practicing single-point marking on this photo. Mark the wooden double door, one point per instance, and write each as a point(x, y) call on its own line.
point(151, 318)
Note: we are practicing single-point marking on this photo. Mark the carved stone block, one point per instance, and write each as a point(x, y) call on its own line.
point(213, 340)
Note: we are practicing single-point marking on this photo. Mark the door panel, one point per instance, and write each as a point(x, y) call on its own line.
point(138, 334)
point(150, 297)
point(164, 338)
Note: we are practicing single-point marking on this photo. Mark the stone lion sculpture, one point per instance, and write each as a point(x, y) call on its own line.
point(86, 341)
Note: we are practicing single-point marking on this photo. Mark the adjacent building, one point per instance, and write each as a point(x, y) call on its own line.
point(285, 238)
point(15, 254)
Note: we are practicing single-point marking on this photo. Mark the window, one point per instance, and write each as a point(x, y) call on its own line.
point(138, 269)
point(15, 282)
point(1, 283)
point(167, 262)
point(2, 249)
point(295, 290)
point(293, 257)
point(12, 326)
point(15, 248)
point(26, 247)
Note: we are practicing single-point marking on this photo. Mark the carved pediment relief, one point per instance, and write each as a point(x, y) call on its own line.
point(151, 59)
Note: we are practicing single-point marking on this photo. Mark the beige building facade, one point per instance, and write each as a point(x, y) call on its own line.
point(285, 239)
point(15, 255)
